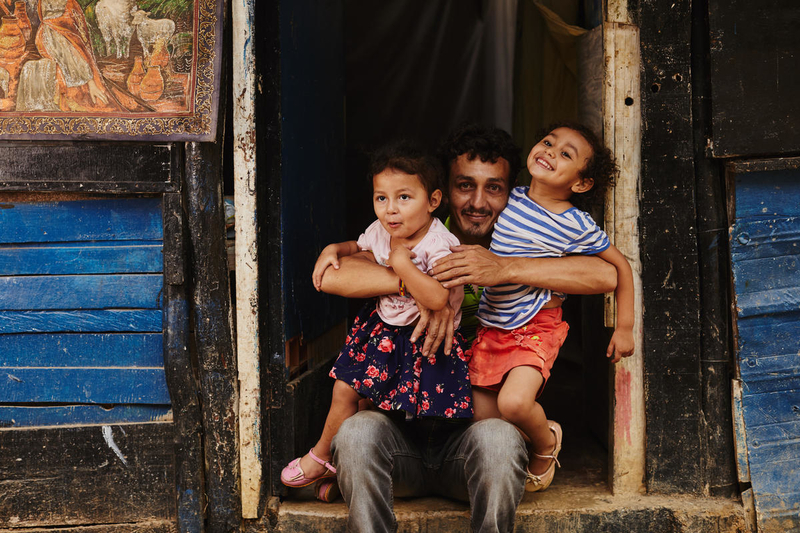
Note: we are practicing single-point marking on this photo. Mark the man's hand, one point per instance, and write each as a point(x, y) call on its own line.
point(439, 325)
point(470, 264)
point(621, 345)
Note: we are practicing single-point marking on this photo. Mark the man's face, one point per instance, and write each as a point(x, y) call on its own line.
point(478, 191)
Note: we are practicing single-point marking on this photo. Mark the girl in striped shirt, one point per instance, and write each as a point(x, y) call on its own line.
point(521, 328)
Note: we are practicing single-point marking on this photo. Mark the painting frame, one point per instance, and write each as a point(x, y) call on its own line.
point(108, 106)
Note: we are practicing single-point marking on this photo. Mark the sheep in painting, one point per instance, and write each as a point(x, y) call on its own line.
point(149, 31)
point(114, 19)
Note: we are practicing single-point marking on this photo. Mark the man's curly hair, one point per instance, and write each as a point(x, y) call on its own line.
point(601, 167)
point(488, 144)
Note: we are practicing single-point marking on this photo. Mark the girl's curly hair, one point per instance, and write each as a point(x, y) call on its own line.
point(601, 167)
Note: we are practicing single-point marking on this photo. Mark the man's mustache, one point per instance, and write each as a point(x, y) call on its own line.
point(476, 212)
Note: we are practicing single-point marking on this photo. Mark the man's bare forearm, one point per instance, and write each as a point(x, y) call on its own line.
point(575, 274)
point(359, 277)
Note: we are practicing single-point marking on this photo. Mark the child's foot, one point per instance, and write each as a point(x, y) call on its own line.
point(542, 467)
point(306, 470)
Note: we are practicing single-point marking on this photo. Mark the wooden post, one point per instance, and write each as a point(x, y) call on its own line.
point(179, 373)
point(213, 331)
point(247, 301)
point(622, 131)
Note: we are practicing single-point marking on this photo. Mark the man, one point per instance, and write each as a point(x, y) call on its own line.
point(379, 456)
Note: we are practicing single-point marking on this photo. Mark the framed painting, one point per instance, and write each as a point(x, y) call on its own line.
point(110, 69)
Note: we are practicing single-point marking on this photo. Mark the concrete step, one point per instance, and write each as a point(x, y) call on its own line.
point(560, 509)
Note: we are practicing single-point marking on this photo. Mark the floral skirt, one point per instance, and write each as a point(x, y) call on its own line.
point(382, 364)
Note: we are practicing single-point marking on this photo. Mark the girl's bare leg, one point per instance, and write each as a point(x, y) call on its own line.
point(517, 404)
point(344, 404)
point(484, 404)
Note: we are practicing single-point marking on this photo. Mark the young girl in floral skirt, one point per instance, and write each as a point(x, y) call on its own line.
point(379, 362)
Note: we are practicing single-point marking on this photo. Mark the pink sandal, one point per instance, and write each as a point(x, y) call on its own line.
point(293, 475)
point(327, 490)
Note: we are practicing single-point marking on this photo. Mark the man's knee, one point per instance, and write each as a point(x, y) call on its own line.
point(363, 429)
point(497, 441)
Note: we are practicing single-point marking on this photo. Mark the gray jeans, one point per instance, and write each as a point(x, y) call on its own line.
point(379, 457)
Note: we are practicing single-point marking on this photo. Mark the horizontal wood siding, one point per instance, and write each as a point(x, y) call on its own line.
point(121, 219)
point(76, 349)
point(90, 475)
point(81, 321)
point(89, 167)
point(81, 312)
point(80, 258)
point(765, 253)
point(80, 415)
point(38, 293)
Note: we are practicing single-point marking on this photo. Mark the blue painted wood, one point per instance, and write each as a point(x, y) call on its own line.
point(83, 385)
point(19, 416)
point(766, 194)
point(766, 237)
point(764, 259)
point(81, 258)
point(82, 350)
point(23, 293)
point(87, 220)
point(99, 321)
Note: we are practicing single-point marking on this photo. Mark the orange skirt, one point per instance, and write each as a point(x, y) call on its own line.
point(496, 351)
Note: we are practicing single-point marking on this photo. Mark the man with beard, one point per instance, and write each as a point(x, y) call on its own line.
point(379, 457)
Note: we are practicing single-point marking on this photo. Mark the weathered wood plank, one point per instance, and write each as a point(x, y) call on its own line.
point(762, 97)
point(86, 475)
point(622, 134)
point(761, 335)
point(213, 321)
point(767, 194)
point(179, 372)
point(84, 220)
point(100, 321)
point(39, 293)
point(83, 385)
point(668, 239)
point(174, 247)
point(766, 237)
point(149, 526)
point(18, 416)
point(767, 289)
point(81, 350)
point(88, 167)
point(81, 258)
point(248, 341)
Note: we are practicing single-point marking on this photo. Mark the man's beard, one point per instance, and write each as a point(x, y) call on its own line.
point(476, 229)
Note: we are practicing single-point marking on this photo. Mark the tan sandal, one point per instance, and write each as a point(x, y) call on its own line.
point(535, 483)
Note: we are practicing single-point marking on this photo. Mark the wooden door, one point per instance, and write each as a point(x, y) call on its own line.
point(765, 257)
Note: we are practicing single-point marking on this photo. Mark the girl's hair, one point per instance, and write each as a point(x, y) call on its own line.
point(407, 157)
point(487, 144)
point(601, 167)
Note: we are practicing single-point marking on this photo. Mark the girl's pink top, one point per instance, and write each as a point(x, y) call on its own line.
point(402, 310)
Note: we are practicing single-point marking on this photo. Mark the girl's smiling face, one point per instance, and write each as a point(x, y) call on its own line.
point(556, 162)
point(402, 205)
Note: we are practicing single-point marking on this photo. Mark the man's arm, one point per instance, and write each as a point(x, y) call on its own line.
point(359, 276)
point(578, 274)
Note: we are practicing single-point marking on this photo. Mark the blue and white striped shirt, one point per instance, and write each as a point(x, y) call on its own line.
point(525, 229)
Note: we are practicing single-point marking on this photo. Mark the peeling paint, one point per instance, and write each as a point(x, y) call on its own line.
point(109, 438)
